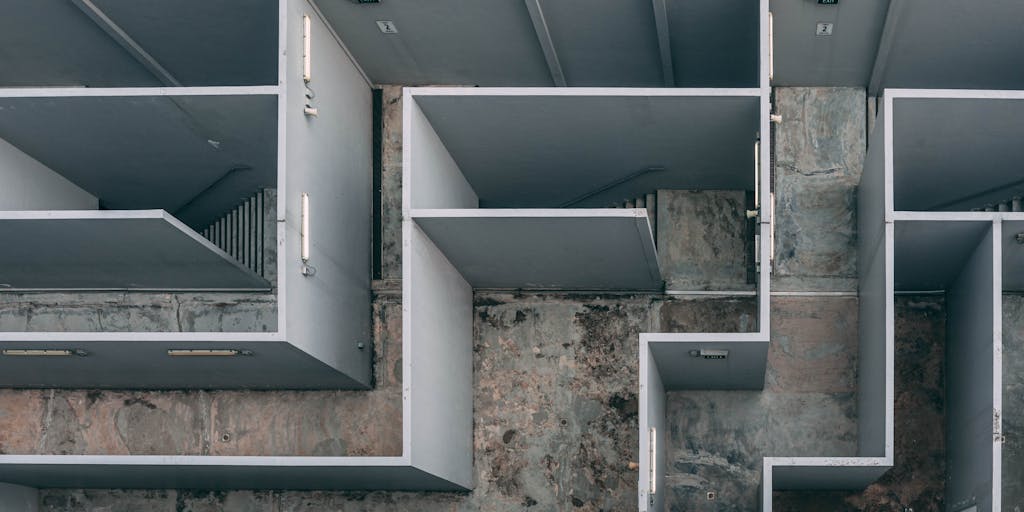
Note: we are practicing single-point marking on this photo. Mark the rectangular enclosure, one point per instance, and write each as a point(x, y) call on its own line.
point(972, 164)
point(939, 204)
point(181, 189)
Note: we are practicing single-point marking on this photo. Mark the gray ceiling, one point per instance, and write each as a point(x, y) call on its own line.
point(929, 255)
point(530, 151)
point(956, 154)
point(113, 250)
point(1013, 256)
point(574, 253)
point(843, 59)
point(957, 44)
point(152, 152)
point(598, 42)
point(744, 368)
point(199, 42)
point(931, 43)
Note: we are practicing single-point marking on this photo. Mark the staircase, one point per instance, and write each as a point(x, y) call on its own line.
point(240, 232)
point(1013, 205)
point(648, 201)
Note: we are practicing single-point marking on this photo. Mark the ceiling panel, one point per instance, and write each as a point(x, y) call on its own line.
point(199, 42)
point(545, 249)
point(148, 152)
point(605, 42)
point(956, 154)
point(51, 42)
point(845, 58)
point(204, 42)
point(453, 42)
point(544, 151)
point(929, 255)
point(715, 43)
point(955, 44)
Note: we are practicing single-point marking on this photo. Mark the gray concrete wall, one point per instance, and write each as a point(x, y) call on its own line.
point(703, 243)
point(819, 151)
point(555, 421)
point(1013, 402)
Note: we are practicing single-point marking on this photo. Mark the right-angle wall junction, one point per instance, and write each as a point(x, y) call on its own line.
point(939, 212)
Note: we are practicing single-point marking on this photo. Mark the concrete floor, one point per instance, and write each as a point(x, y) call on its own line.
point(556, 393)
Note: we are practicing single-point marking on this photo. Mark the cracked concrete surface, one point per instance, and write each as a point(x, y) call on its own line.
point(1013, 402)
point(819, 152)
point(555, 420)
point(703, 243)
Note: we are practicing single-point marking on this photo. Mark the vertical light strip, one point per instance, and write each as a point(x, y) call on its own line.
point(653, 475)
point(771, 46)
point(307, 45)
point(757, 174)
point(304, 234)
point(771, 234)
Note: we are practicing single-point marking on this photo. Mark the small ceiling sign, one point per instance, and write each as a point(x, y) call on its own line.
point(828, 2)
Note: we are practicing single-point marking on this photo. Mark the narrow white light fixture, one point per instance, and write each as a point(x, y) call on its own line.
point(757, 174)
point(304, 229)
point(653, 473)
point(30, 352)
point(227, 352)
point(771, 46)
point(307, 45)
point(771, 234)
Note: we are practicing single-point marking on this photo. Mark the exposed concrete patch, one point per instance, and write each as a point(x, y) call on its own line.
point(556, 403)
point(718, 438)
point(693, 314)
point(391, 182)
point(137, 312)
point(217, 422)
point(917, 481)
point(1013, 402)
point(819, 157)
point(702, 239)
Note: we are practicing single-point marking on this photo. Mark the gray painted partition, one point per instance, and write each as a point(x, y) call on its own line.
point(437, 326)
point(973, 384)
point(444, 185)
point(326, 314)
point(875, 303)
point(652, 416)
point(30, 185)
